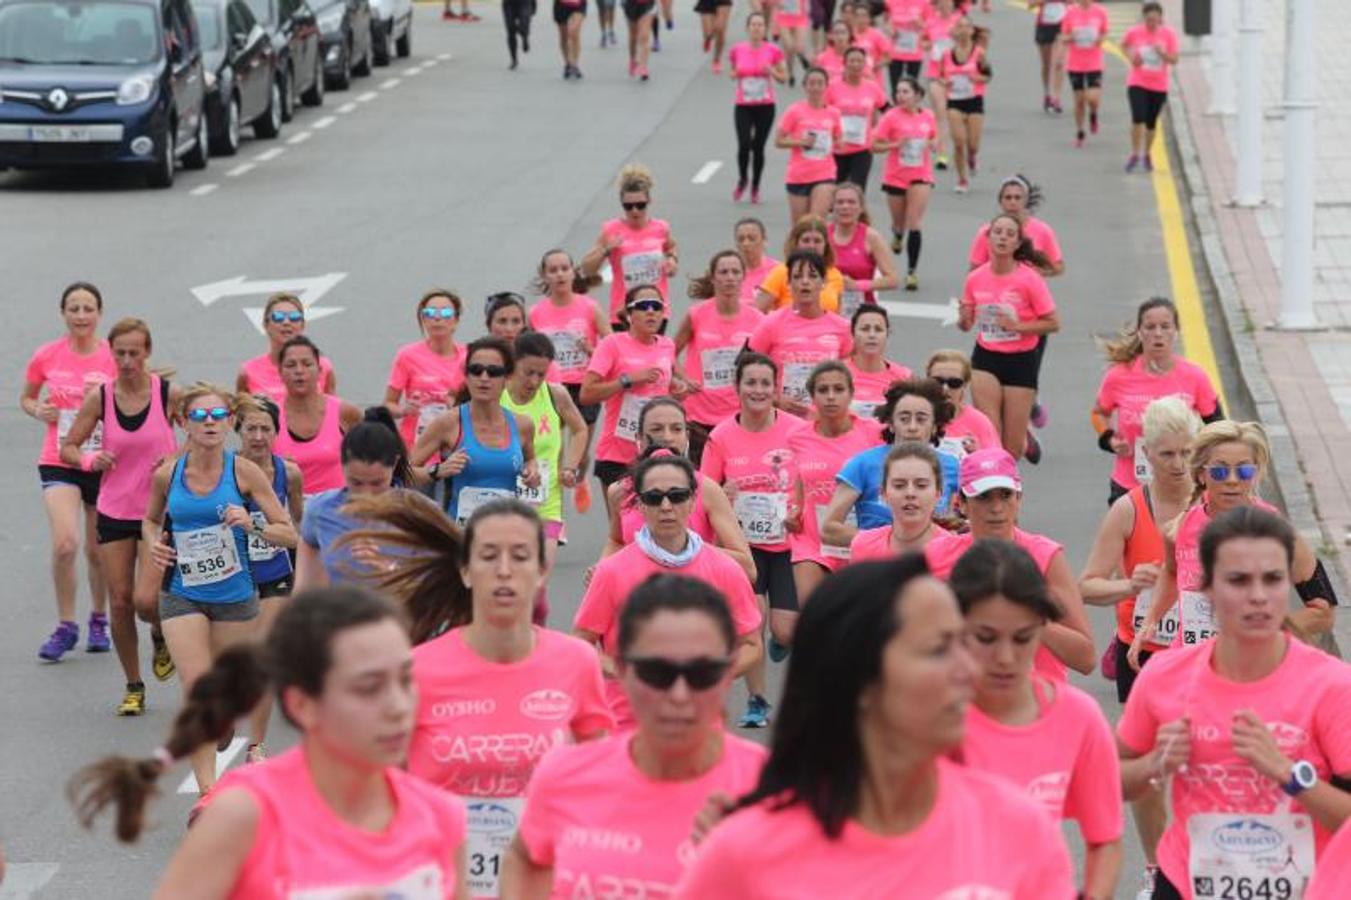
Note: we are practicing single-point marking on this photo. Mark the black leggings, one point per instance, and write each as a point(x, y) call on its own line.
point(516, 14)
point(753, 122)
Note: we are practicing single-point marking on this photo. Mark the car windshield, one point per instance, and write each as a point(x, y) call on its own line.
point(208, 23)
point(261, 9)
point(42, 32)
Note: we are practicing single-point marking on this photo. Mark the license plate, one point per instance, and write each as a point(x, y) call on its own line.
point(59, 134)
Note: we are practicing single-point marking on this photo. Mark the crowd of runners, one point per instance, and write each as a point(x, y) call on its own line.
point(777, 491)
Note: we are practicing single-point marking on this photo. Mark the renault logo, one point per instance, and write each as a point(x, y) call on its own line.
point(58, 99)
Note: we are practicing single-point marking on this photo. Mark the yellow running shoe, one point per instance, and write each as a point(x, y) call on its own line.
point(162, 664)
point(133, 701)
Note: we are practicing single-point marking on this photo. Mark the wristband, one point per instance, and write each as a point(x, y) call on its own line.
point(1105, 440)
point(1318, 586)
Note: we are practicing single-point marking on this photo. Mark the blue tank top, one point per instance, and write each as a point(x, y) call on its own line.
point(490, 474)
point(270, 562)
point(212, 565)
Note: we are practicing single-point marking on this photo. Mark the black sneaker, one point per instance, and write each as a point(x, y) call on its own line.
point(1032, 452)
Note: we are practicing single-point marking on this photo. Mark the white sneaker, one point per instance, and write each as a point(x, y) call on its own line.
point(1146, 891)
point(961, 187)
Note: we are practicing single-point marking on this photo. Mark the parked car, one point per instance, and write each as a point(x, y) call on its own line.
point(294, 30)
point(102, 82)
point(243, 79)
point(391, 29)
point(345, 29)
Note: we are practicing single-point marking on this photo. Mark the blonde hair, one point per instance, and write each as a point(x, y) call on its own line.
point(279, 298)
point(635, 179)
point(805, 224)
point(205, 389)
point(1169, 415)
point(1227, 431)
point(952, 356)
point(863, 217)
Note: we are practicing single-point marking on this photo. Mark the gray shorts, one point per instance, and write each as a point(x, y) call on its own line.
point(171, 606)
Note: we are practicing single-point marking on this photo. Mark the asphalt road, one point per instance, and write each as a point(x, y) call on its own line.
point(446, 169)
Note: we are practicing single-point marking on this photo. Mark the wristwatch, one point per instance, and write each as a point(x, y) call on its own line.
point(1302, 777)
point(625, 381)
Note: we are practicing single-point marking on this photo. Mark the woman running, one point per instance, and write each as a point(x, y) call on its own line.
point(810, 233)
point(839, 38)
point(907, 20)
point(938, 41)
point(713, 18)
point(860, 251)
point(711, 336)
point(970, 429)
point(1254, 710)
point(1011, 308)
point(665, 485)
point(1048, 738)
point(909, 137)
point(337, 815)
point(482, 448)
point(859, 99)
point(964, 72)
point(569, 16)
point(427, 374)
point(69, 369)
point(257, 421)
point(134, 444)
point(1125, 566)
point(750, 237)
point(1144, 367)
point(1019, 197)
point(283, 319)
point(639, 248)
point(871, 39)
point(605, 18)
point(196, 526)
point(810, 130)
point(1332, 879)
point(312, 423)
point(1151, 48)
point(859, 798)
point(491, 678)
point(1082, 32)
point(791, 20)
point(627, 370)
point(516, 15)
point(912, 483)
point(643, 37)
point(640, 789)
point(869, 369)
point(754, 64)
point(504, 314)
point(1046, 33)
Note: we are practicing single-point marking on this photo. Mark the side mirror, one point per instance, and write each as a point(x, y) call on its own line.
point(240, 40)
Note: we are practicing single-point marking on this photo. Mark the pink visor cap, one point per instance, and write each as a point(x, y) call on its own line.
point(986, 470)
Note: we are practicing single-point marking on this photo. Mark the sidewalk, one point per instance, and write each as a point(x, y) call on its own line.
point(1300, 383)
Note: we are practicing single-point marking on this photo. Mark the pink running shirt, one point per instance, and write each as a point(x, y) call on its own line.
point(1196, 616)
point(797, 343)
point(762, 470)
point(621, 353)
point(429, 379)
point(1035, 230)
point(1083, 29)
point(1022, 292)
point(912, 161)
point(264, 378)
point(818, 459)
point(319, 458)
point(908, 19)
point(1332, 880)
point(973, 422)
point(640, 259)
point(67, 377)
point(858, 106)
point(1153, 46)
point(563, 325)
point(1128, 389)
point(710, 359)
point(124, 490)
point(870, 388)
point(755, 277)
point(814, 164)
point(752, 65)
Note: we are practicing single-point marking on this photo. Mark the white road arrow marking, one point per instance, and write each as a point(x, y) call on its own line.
point(24, 880)
point(705, 174)
point(309, 289)
point(943, 313)
point(223, 759)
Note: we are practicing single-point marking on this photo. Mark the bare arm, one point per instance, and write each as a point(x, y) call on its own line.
point(310, 571)
point(279, 531)
point(596, 390)
point(747, 652)
point(1102, 869)
point(295, 492)
point(577, 434)
point(886, 277)
point(349, 414)
point(208, 861)
point(91, 411)
point(522, 877)
point(726, 529)
point(443, 431)
point(1097, 583)
point(1070, 639)
point(834, 529)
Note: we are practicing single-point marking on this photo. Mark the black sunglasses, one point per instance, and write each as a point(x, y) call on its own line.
point(699, 674)
point(478, 369)
point(654, 497)
point(953, 383)
point(647, 305)
point(636, 204)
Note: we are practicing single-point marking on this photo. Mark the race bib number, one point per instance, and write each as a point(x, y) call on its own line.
point(471, 498)
point(850, 301)
point(1052, 13)
point(538, 495)
point(626, 425)
point(568, 352)
point(987, 321)
point(961, 87)
point(854, 129)
point(761, 516)
point(1166, 633)
point(491, 824)
point(65, 419)
point(206, 555)
point(907, 41)
point(912, 152)
point(954, 447)
point(755, 90)
point(821, 144)
point(1150, 57)
point(1144, 472)
point(795, 377)
point(642, 268)
point(423, 883)
point(939, 47)
point(833, 551)
point(1084, 36)
point(259, 549)
point(718, 365)
point(1250, 856)
point(425, 414)
point(1198, 617)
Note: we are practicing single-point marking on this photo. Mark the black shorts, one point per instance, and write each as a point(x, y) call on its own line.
point(1046, 34)
point(895, 191)
point(87, 482)
point(1081, 81)
point(853, 167)
point(971, 106)
point(609, 471)
point(563, 12)
point(590, 412)
point(635, 11)
point(111, 530)
point(1125, 675)
point(804, 190)
point(1009, 369)
point(1145, 105)
point(774, 577)
point(709, 7)
point(278, 588)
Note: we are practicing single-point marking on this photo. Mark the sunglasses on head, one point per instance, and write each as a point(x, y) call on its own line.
point(215, 414)
point(699, 674)
point(654, 497)
point(280, 316)
point(634, 205)
point(480, 369)
point(1244, 471)
point(442, 312)
point(647, 305)
point(952, 383)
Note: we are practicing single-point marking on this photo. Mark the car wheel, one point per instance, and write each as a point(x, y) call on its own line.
point(404, 45)
point(315, 95)
point(288, 94)
point(160, 172)
point(227, 142)
point(343, 80)
point(268, 125)
point(200, 154)
point(380, 41)
point(363, 68)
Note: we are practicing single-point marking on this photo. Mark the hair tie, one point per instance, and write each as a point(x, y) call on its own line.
point(164, 757)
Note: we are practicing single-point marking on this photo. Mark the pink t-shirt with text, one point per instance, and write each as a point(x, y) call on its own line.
point(970, 421)
point(818, 459)
point(428, 379)
point(264, 377)
point(1035, 230)
point(1022, 292)
point(1152, 47)
point(563, 326)
point(816, 163)
point(1084, 29)
point(621, 353)
point(752, 65)
point(870, 388)
point(908, 19)
point(1128, 389)
point(797, 343)
point(858, 106)
point(710, 359)
point(639, 259)
point(760, 471)
point(67, 376)
point(913, 160)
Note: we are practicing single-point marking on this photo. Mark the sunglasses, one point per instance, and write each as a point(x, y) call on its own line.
point(646, 306)
point(635, 205)
point(654, 497)
point(699, 674)
point(215, 414)
point(443, 312)
point(1244, 471)
point(480, 369)
point(279, 316)
point(951, 383)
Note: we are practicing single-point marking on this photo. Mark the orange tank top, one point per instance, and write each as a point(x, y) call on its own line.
point(1143, 545)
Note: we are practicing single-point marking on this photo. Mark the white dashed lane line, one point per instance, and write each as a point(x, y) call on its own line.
point(324, 122)
point(346, 108)
point(390, 83)
point(367, 97)
point(300, 138)
point(238, 170)
point(706, 172)
point(203, 189)
point(269, 155)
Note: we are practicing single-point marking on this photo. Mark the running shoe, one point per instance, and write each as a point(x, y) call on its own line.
point(717, 67)
point(513, 64)
point(670, 23)
point(1133, 163)
point(162, 664)
point(778, 652)
point(576, 74)
point(567, 72)
point(581, 496)
point(897, 243)
point(642, 73)
point(656, 40)
point(961, 187)
point(133, 701)
point(738, 192)
point(1055, 104)
point(1093, 121)
point(1046, 103)
point(256, 753)
point(941, 162)
point(450, 16)
point(469, 17)
point(611, 33)
point(756, 714)
point(1146, 889)
point(911, 282)
point(1032, 452)
point(1079, 140)
point(61, 642)
point(755, 196)
point(604, 40)
point(1040, 416)
point(1149, 163)
point(525, 42)
point(98, 634)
